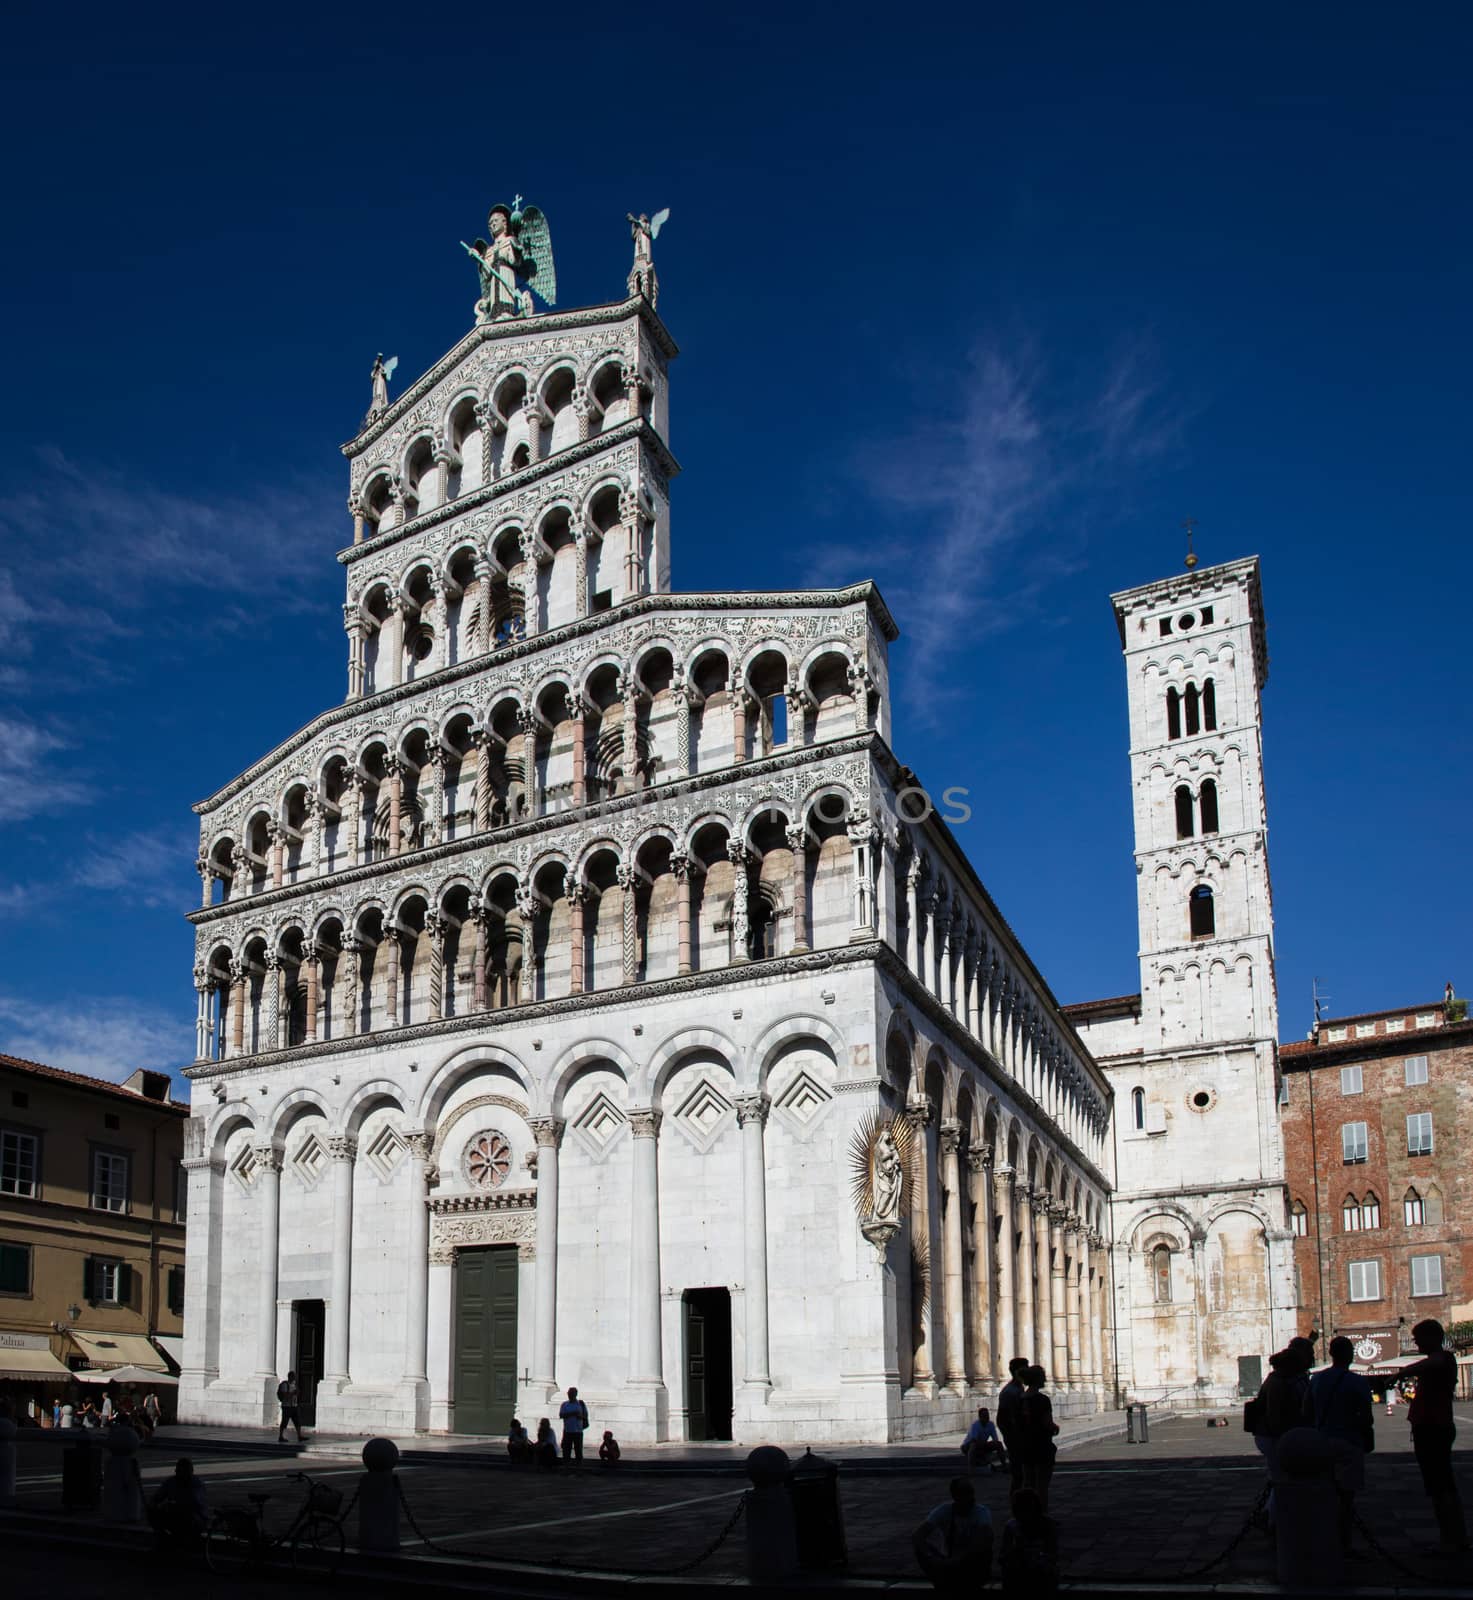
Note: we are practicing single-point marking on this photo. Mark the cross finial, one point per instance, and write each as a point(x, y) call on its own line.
point(1190, 524)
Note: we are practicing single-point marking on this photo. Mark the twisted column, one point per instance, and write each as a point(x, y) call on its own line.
point(527, 722)
point(682, 731)
point(435, 929)
point(628, 878)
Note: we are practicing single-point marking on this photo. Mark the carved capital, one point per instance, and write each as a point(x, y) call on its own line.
point(420, 1145)
point(950, 1137)
point(268, 1157)
point(342, 1147)
point(797, 837)
point(918, 1112)
point(548, 1131)
point(752, 1108)
point(645, 1124)
point(627, 875)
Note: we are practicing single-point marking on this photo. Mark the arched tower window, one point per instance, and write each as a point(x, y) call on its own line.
point(1161, 1274)
point(1173, 714)
point(1432, 1206)
point(1138, 1109)
point(1209, 706)
point(1184, 827)
point(1413, 1211)
point(1350, 1214)
point(1200, 912)
point(1370, 1211)
point(1208, 804)
point(1193, 709)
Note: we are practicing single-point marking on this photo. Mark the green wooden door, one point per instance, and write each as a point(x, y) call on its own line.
point(696, 1399)
point(485, 1391)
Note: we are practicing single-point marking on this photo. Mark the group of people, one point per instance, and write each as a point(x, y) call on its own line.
point(143, 1418)
point(542, 1452)
point(954, 1544)
point(1337, 1403)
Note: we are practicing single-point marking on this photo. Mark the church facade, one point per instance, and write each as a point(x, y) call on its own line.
point(593, 997)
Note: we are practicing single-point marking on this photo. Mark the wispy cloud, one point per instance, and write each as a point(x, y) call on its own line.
point(33, 785)
point(109, 1037)
point(1003, 464)
point(154, 866)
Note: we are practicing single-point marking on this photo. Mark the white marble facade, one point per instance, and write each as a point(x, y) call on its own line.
point(592, 927)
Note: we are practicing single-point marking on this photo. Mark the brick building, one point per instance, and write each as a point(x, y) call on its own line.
point(1378, 1135)
point(91, 1226)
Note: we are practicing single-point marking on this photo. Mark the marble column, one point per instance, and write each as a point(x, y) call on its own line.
point(918, 1112)
point(483, 594)
point(980, 1296)
point(580, 571)
point(527, 720)
point(484, 741)
point(549, 1134)
point(355, 510)
point(628, 878)
point(954, 1308)
point(646, 1363)
point(945, 992)
point(435, 929)
point(1101, 1308)
point(1025, 1332)
point(342, 1151)
point(389, 954)
point(1043, 1309)
point(797, 838)
point(528, 904)
point(206, 872)
point(271, 986)
point(394, 773)
point(203, 984)
point(416, 1331)
point(629, 736)
point(349, 977)
point(1059, 1297)
point(268, 1188)
point(740, 891)
point(350, 829)
point(797, 717)
point(752, 1112)
point(913, 920)
point(432, 796)
point(738, 725)
point(1008, 1344)
point(684, 870)
point(277, 835)
point(577, 897)
point(1078, 1316)
point(577, 713)
point(312, 966)
point(478, 957)
point(862, 835)
point(237, 1007)
point(682, 731)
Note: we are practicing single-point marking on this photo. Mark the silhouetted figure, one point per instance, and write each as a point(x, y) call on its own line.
point(573, 1415)
point(1339, 1406)
point(518, 1445)
point(608, 1451)
point(1010, 1417)
point(1431, 1417)
point(1028, 1562)
point(1039, 1432)
point(179, 1510)
point(982, 1446)
point(545, 1450)
point(1279, 1406)
point(289, 1397)
point(954, 1544)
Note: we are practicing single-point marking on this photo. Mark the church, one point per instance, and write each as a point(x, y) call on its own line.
point(594, 997)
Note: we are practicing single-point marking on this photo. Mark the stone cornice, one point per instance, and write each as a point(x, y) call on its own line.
point(637, 429)
point(637, 995)
point(511, 328)
point(647, 605)
point(454, 1205)
point(494, 838)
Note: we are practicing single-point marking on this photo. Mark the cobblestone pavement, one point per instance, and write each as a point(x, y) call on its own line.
point(1142, 1513)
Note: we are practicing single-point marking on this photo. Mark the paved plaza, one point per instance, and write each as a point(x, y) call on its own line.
point(1153, 1513)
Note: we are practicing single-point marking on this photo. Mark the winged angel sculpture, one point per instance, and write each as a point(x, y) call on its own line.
point(644, 231)
point(515, 261)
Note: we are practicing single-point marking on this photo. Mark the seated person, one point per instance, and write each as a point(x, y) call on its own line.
point(982, 1443)
point(1029, 1559)
point(954, 1544)
point(545, 1450)
point(608, 1451)
point(179, 1510)
point(518, 1445)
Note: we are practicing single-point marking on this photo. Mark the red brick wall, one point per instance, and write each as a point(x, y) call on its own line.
point(1383, 1105)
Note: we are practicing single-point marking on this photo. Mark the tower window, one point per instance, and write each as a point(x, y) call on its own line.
point(1206, 615)
point(1209, 706)
point(1138, 1109)
point(1208, 804)
point(1353, 1144)
point(1419, 1133)
point(1193, 710)
point(1165, 627)
point(1416, 1071)
point(1200, 912)
point(1184, 828)
point(1161, 1274)
point(1299, 1220)
point(1173, 714)
point(1413, 1210)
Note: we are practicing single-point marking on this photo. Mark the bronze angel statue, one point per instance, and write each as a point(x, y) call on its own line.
point(515, 261)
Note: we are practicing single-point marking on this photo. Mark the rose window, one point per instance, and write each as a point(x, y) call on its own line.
point(487, 1161)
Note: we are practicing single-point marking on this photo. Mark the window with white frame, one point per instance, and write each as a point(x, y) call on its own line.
point(19, 1163)
point(1358, 1215)
point(1350, 1080)
point(1138, 1109)
point(1336, 1035)
point(1416, 1071)
point(108, 1282)
point(1419, 1133)
point(1353, 1144)
point(1413, 1209)
point(1425, 1019)
point(1365, 1280)
point(1426, 1275)
point(1365, 1030)
point(1395, 1024)
point(109, 1180)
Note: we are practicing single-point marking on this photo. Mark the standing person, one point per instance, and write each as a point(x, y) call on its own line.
point(1279, 1406)
point(1039, 1432)
point(953, 1546)
point(152, 1409)
point(1339, 1406)
point(56, 1413)
point(1431, 1417)
point(574, 1417)
point(107, 1409)
point(1010, 1417)
point(289, 1397)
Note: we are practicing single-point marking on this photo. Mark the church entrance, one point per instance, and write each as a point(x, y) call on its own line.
point(485, 1372)
point(707, 1363)
point(309, 1319)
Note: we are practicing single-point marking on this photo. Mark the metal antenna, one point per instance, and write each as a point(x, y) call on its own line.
point(1319, 1000)
point(1190, 524)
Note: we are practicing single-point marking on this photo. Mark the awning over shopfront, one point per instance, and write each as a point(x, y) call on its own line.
point(34, 1366)
point(172, 1346)
point(146, 1376)
point(102, 1350)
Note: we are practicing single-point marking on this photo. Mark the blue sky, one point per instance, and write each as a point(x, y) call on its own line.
point(978, 302)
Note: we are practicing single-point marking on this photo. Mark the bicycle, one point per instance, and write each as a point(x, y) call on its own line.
point(237, 1539)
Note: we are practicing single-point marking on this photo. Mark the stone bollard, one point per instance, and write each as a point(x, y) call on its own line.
point(122, 1489)
point(1306, 1510)
point(378, 1499)
point(772, 1535)
point(7, 1463)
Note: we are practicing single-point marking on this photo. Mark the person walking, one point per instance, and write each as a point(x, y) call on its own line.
point(1010, 1417)
point(1039, 1432)
point(573, 1415)
point(289, 1397)
point(1339, 1405)
point(1431, 1417)
point(152, 1409)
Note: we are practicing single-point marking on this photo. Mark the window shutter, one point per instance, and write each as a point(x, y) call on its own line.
point(125, 1284)
point(89, 1280)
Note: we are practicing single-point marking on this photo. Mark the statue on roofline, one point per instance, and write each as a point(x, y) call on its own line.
point(644, 231)
point(382, 372)
point(515, 261)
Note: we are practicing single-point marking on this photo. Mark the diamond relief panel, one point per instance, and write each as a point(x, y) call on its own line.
point(599, 1126)
point(243, 1168)
point(385, 1151)
point(310, 1161)
point(803, 1102)
point(704, 1115)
